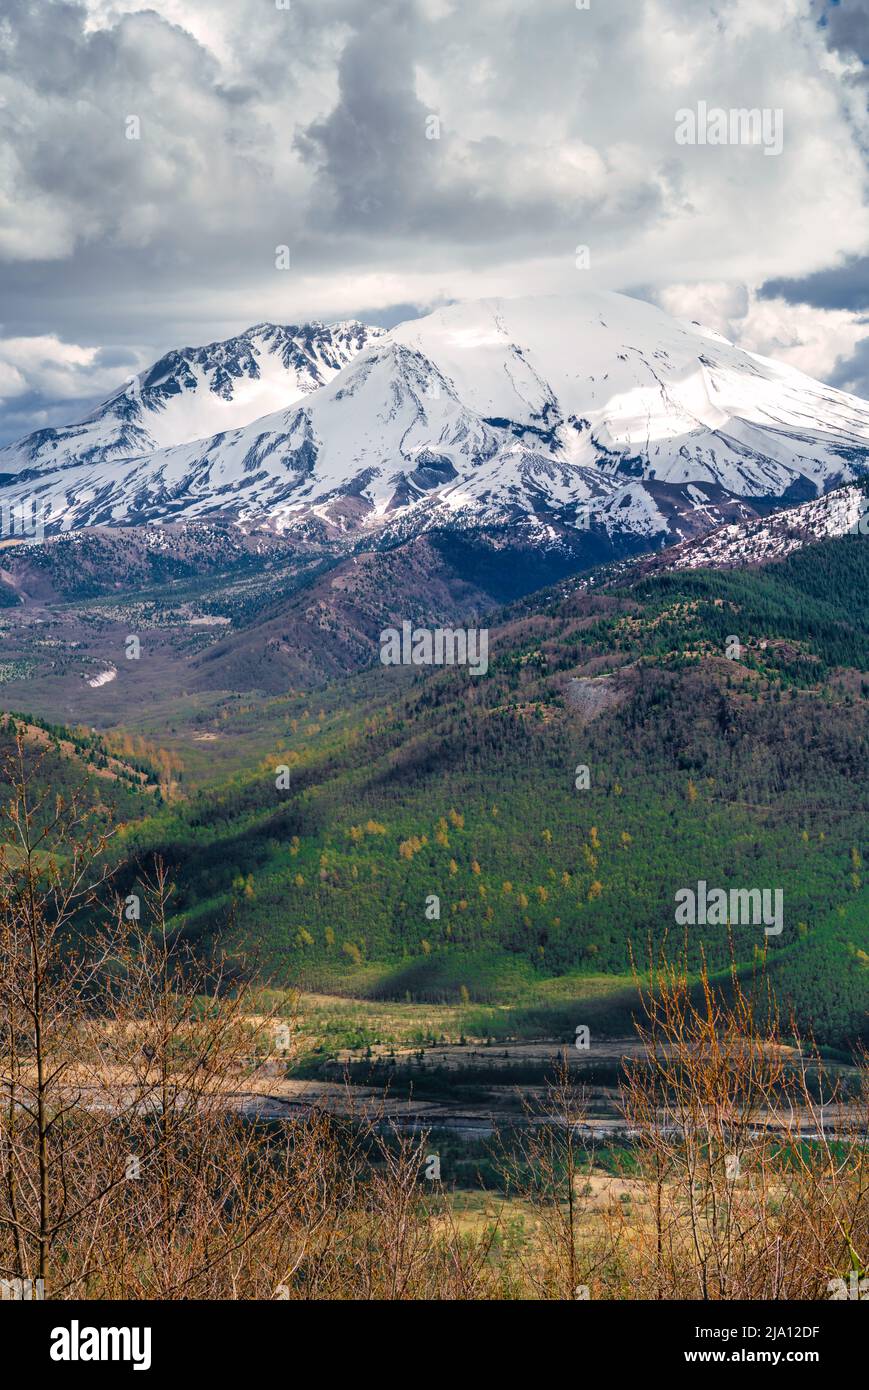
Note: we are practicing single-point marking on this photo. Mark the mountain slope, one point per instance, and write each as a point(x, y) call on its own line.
point(589, 413)
point(404, 785)
point(842, 512)
point(192, 392)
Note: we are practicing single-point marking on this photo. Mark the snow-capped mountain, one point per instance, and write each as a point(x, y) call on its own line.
point(586, 412)
point(191, 393)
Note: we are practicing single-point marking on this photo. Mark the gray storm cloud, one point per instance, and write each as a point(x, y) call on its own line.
point(310, 127)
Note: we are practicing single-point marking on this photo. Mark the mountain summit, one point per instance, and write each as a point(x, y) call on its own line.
point(586, 413)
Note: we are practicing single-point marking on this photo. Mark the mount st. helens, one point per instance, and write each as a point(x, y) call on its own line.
point(591, 421)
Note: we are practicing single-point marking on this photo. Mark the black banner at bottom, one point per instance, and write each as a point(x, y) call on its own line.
point(63, 1339)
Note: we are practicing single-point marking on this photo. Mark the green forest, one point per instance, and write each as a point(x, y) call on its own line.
point(433, 835)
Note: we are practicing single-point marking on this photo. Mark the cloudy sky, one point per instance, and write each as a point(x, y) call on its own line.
point(309, 124)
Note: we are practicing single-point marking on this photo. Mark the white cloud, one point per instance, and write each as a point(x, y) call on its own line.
point(45, 367)
point(812, 340)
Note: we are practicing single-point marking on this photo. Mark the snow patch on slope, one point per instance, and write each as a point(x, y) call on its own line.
point(840, 513)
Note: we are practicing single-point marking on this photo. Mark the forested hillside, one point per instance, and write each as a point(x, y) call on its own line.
point(620, 748)
point(115, 779)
